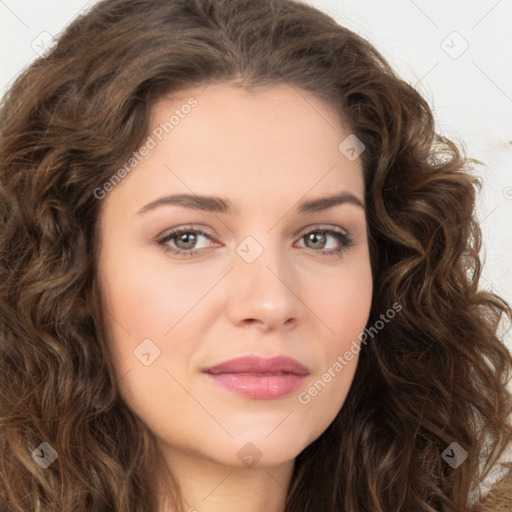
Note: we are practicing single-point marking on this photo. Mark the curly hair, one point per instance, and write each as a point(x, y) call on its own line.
point(436, 375)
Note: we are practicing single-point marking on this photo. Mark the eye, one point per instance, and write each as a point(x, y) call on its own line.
point(184, 240)
point(321, 234)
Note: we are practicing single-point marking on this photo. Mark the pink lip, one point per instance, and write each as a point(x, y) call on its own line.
point(260, 378)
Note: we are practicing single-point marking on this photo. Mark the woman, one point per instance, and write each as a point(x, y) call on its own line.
point(174, 338)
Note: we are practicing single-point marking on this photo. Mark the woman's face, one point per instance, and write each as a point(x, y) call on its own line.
point(257, 279)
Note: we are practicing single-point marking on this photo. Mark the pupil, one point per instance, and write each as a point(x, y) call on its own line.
point(313, 236)
point(184, 236)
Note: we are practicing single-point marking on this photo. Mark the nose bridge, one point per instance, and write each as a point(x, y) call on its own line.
point(263, 279)
point(258, 253)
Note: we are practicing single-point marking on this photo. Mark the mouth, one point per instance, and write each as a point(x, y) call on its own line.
point(259, 378)
point(257, 365)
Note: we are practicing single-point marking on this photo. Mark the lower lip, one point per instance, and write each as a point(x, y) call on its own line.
point(262, 387)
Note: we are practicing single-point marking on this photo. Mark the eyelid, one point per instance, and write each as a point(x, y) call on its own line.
point(321, 227)
point(187, 227)
point(207, 231)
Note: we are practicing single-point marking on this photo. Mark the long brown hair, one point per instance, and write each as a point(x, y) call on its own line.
point(434, 376)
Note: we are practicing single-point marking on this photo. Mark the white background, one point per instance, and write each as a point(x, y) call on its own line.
point(470, 93)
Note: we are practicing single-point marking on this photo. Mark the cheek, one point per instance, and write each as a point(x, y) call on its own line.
point(154, 310)
point(344, 306)
point(148, 299)
point(147, 307)
point(343, 309)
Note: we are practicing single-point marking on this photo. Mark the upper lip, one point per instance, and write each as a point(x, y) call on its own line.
point(260, 365)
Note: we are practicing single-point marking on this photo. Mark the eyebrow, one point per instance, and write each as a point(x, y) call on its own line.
point(224, 205)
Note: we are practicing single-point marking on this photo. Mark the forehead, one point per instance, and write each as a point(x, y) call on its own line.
point(220, 106)
point(274, 144)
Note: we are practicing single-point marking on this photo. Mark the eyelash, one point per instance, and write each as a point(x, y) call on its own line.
point(339, 235)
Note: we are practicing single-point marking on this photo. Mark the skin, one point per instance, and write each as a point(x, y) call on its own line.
point(265, 151)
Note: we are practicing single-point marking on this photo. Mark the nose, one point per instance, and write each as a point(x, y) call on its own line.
point(264, 289)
